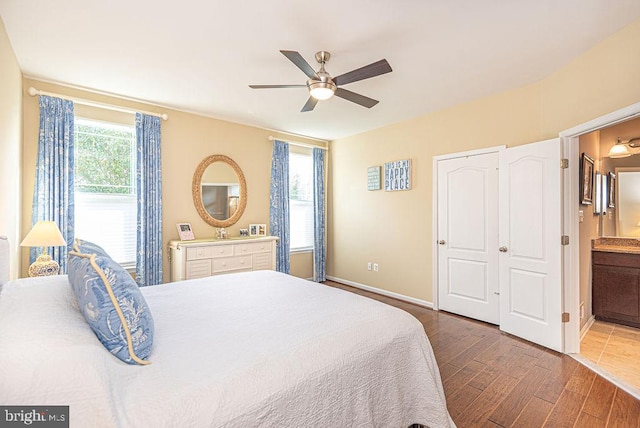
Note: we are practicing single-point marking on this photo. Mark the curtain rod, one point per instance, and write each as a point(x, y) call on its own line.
point(295, 143)
point(33, 92)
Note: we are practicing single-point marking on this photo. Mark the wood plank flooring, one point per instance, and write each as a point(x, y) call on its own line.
point(492, 379)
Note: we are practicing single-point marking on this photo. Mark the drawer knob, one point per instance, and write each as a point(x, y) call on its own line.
point(224, 263)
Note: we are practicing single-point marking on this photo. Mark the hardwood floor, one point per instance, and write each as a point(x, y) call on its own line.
point(492, 379)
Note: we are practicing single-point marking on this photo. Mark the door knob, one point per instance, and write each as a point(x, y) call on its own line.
point(502, 249)
point(441, 242)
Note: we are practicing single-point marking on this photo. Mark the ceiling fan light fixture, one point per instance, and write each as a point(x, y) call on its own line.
point(619, 150)
point(322, 90)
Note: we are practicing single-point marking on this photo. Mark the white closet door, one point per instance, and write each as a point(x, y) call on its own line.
point(468, 236)
point(530, 252)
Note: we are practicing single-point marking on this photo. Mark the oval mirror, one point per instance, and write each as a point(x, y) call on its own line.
point(219, 191)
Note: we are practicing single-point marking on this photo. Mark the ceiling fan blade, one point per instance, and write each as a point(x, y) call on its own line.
point(371, 70)
point(276, 86)
point(310, 104)
point(356, 98)
point(300, 62)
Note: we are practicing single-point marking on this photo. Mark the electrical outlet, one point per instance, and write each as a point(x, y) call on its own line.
point(368, 265)
point(375, 267)
point(582, 310)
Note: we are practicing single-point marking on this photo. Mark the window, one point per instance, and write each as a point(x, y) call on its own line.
point(301, 201)
point(104, 183)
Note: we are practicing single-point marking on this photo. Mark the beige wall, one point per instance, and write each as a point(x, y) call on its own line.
point(186, 140)
point(394, 229)
point(10, 147)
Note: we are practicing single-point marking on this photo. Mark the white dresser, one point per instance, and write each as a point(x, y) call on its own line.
point(207, 257)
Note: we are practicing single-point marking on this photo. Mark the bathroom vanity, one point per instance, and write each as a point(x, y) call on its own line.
point(616, 280)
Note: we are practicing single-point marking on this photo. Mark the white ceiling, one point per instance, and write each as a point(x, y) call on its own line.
point(201, 55)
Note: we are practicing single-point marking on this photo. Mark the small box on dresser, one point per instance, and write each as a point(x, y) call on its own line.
point(207, 257)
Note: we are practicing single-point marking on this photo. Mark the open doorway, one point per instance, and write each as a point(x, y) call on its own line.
point(613, 340)
point(608, 348)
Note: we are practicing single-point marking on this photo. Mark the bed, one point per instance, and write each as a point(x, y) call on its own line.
point(238, 350)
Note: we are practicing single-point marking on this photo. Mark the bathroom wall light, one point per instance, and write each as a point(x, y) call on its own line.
point(619, 150)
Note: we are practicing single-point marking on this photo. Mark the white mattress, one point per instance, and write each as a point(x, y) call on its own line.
point(241, 350)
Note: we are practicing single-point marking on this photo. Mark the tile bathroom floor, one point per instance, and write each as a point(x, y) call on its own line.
point(615, 348)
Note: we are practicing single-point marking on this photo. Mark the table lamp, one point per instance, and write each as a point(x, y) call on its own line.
point(44, 234)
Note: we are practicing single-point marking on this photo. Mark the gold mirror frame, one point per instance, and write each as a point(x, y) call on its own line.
point(196, 191)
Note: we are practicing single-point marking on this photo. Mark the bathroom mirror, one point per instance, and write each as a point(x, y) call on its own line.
point(219, 191)
point(623, 201)
point(619, 195)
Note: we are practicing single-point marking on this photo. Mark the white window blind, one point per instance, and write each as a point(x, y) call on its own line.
point(301, 201)
point(109, 221)
point(104, 184)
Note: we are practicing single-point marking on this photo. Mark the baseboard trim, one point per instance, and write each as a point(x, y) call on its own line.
point(585, 328)
point(398, 296)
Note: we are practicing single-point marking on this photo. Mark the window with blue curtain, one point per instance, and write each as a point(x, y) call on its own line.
point(297, 214)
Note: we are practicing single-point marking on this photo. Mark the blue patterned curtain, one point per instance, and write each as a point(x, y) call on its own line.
point(53, 191)
point(149, 194)
point(279, 199)
point(319, 245)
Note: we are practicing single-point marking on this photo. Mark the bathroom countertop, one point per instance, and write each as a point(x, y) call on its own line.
point(616, 245)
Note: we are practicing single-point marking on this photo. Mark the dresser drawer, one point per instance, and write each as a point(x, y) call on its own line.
point(242, 249)
point(256, 247)
point(198, 269)
point(259, 247)
point(232, 263)
point(198, 253)
point(221, 251)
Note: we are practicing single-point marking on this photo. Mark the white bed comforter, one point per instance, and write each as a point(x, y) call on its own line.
point(240, 350)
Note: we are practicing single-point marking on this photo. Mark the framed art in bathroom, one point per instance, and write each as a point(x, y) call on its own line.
point(586, 180)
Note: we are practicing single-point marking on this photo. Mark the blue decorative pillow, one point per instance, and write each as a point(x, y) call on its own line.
point(113, 305)
point(86, 247)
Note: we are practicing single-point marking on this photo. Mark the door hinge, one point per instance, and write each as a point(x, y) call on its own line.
point(564, 240)
point(565, 317)
point(564, 163)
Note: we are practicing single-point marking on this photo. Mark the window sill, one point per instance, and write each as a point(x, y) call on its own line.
point(301, 250)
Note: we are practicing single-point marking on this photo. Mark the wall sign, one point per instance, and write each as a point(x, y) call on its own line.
point(397, 175)
point(373, 178)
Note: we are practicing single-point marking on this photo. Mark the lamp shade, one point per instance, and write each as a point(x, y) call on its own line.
point(44, 234)
point(619, 150)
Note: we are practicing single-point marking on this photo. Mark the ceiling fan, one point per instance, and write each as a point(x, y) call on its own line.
point(322, 86)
